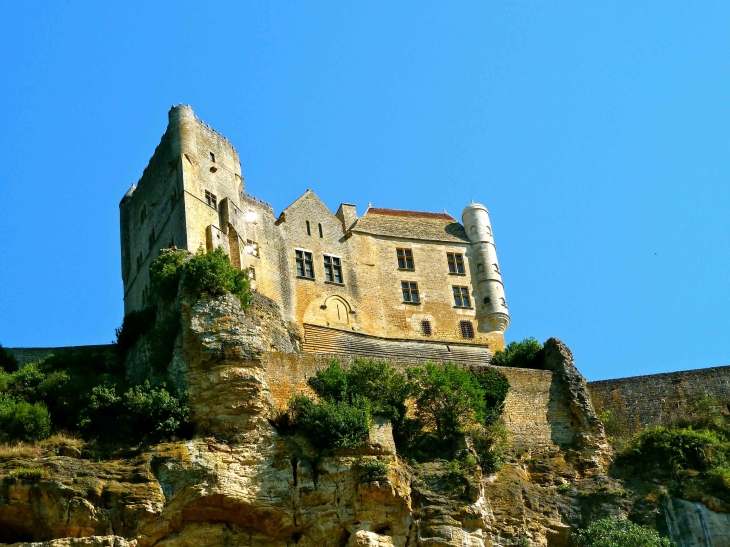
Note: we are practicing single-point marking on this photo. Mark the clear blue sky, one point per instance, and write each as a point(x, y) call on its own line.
point(595, 133)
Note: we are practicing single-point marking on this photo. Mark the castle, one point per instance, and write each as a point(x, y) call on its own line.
point(347, 283)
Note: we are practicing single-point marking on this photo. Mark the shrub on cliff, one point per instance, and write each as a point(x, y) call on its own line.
point(448, 398)
point(525, 354)
point(495, 386)
point(23, 421)
point(329, 425)
point(205, 273)
point(211, 273)
point(165, 273)
point(8, 362)
point(609, 532)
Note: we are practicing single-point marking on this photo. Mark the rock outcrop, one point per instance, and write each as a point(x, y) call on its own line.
point(239, 482)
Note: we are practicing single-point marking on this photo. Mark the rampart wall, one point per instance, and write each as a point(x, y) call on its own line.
point(657, 399)
point(536, 412)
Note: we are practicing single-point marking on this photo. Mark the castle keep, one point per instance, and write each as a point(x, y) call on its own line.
point(347, 283)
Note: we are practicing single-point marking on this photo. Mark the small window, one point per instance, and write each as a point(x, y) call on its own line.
point(426, 328)
point(332, 269)
point(305, 266)
point(211, 200)
point(467, 329)
point(251, 248)
point(405, 259)
point(480, 267)
point(487, 301)
point(142, 214)
point(320, 230)
point(252, 273)
point(152, 238)
point(410, 291)
point(456, 262)
point(309, 229)
point(461, 297)
point(473, 229)
point(212, 157)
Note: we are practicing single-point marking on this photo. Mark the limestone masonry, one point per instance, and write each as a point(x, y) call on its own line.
point(343, 281)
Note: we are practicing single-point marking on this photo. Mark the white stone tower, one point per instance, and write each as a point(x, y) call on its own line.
point(491, 305)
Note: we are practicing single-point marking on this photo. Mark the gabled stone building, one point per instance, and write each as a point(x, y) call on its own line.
point(387, 283)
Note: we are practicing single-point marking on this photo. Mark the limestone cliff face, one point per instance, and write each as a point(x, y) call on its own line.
point(240, 483)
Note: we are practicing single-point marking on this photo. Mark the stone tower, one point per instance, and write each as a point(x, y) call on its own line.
point(492, 312)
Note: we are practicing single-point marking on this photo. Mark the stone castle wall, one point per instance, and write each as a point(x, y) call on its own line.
point(657, 399)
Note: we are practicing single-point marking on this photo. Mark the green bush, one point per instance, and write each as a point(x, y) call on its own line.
point(23, 421)
point(165, 273)
point(676, 449)
point(495, 386)
point(211, 273)
point(142, 413)
point(27, 474)
point(8, 362)
point(372, 469)
point(448, 398)
point(489, 443)
point(329, 425)
point(134, 325)
point(384, 387)
point(609, 532)
point(525, 354)
point(86, 391)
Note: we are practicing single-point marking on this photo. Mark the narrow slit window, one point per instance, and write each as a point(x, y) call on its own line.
point(461, 297)
point(320, 230)
point(405, 259)
point(305, 266)
point(309, 229)
point(212, 157)
point(467, 329)
point(333, 269)
point(426, 328)
point(410, 291)
point(152, 238)
point(455, 262)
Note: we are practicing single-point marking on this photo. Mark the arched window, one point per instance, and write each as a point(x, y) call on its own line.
point(480, 267)
point(487, 301)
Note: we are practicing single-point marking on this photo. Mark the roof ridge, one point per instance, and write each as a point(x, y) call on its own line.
point(406, 213)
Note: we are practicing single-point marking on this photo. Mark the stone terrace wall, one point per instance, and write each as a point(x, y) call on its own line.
point(30, 355)
point(536, 413)
point(657, 399)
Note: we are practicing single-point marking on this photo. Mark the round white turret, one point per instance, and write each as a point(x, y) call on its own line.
point(491, 304)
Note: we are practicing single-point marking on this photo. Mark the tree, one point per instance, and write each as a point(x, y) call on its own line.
point(448, 400)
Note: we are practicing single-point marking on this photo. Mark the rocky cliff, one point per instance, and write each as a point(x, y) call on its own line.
point(239, 482)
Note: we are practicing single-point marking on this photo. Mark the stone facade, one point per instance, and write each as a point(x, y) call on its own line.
point(349, 277)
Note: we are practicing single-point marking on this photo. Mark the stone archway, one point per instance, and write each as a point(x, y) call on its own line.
point(336, 311)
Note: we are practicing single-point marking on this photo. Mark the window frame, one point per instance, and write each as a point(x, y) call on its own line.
point(333, 269)
point(305, 261)
point(211, 200)
point(456, 261)
point(405, 255)
point(462, 298)
point(410, 292)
